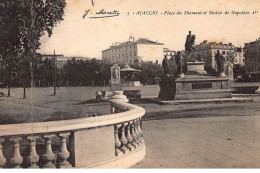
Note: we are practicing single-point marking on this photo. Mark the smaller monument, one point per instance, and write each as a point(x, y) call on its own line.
point(180, 62)
point(115, 83)
point(130, 82)
point(166, 66)
point(167, 82)
point(229, 71)
point(220, 61)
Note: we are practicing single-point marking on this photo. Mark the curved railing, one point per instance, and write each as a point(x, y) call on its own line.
point(114, 140)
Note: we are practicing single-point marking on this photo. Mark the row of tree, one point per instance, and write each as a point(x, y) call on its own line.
point(22, 23)
point(74, 72)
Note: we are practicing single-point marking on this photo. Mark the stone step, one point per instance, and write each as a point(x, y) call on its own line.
point(203, 94)
point(205, 101)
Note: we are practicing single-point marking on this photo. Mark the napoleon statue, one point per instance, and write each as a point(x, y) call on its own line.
point(180, 57)
point(190, 42)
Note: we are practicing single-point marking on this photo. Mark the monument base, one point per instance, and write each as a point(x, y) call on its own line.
point(202, 87)
point(132, 92)
point(167, 89)
point(194, 87)
point(207, 94)
point(195, 68)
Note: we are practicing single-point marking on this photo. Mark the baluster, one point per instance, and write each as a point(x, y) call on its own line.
point(134, 143)
point(117, 141)
point(17, 159)
point(123, 139)
point(129, 137)
point(2, 158)
point(63, 154)
point(32, 159)
point(140, 130)
point(48, 156)
point(137, 133)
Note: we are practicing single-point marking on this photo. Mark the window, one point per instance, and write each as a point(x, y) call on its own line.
point(223, 52)
point(134, 54)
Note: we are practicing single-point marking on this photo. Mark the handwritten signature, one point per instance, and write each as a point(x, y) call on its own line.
point(101, 14)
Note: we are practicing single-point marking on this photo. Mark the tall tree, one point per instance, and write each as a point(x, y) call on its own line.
point(22, 23)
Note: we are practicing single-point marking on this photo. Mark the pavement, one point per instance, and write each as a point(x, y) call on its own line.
point(228, 138)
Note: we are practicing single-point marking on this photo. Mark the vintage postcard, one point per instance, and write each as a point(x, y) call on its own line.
point(129, 84)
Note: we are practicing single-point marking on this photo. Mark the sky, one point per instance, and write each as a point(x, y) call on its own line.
point(76, 36)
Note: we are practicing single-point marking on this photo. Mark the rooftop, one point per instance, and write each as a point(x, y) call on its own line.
point(254, 42)
point(207, 44)
point(139, 41)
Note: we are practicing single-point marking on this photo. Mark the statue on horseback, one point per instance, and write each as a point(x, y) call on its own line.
point(190, 42)
point(180, 57)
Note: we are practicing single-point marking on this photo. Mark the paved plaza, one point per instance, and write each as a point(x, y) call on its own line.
point(229, 140)
point(176, 136)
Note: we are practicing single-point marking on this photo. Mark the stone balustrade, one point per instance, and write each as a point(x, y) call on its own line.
point(108, 141)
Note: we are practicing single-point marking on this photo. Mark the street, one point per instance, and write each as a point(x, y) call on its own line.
point(228, 140)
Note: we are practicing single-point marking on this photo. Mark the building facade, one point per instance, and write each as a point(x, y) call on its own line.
point(208, 50)
point(61, 60)
point(239, 57)
point(133, 51)
point(252, 58)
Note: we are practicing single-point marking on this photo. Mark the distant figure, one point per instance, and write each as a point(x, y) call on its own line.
point(166, 65)
point(103, 92)
point(179, 62)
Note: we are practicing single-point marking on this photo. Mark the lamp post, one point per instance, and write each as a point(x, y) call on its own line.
point(54, 77)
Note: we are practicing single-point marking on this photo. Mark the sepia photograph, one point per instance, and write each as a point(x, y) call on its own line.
point(129, 84)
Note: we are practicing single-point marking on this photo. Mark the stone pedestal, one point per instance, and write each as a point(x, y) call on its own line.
point(118, 96)
point(132, 89)
point(194, 87)
point(195, 68)
point(115, 87)
point(167, 89)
